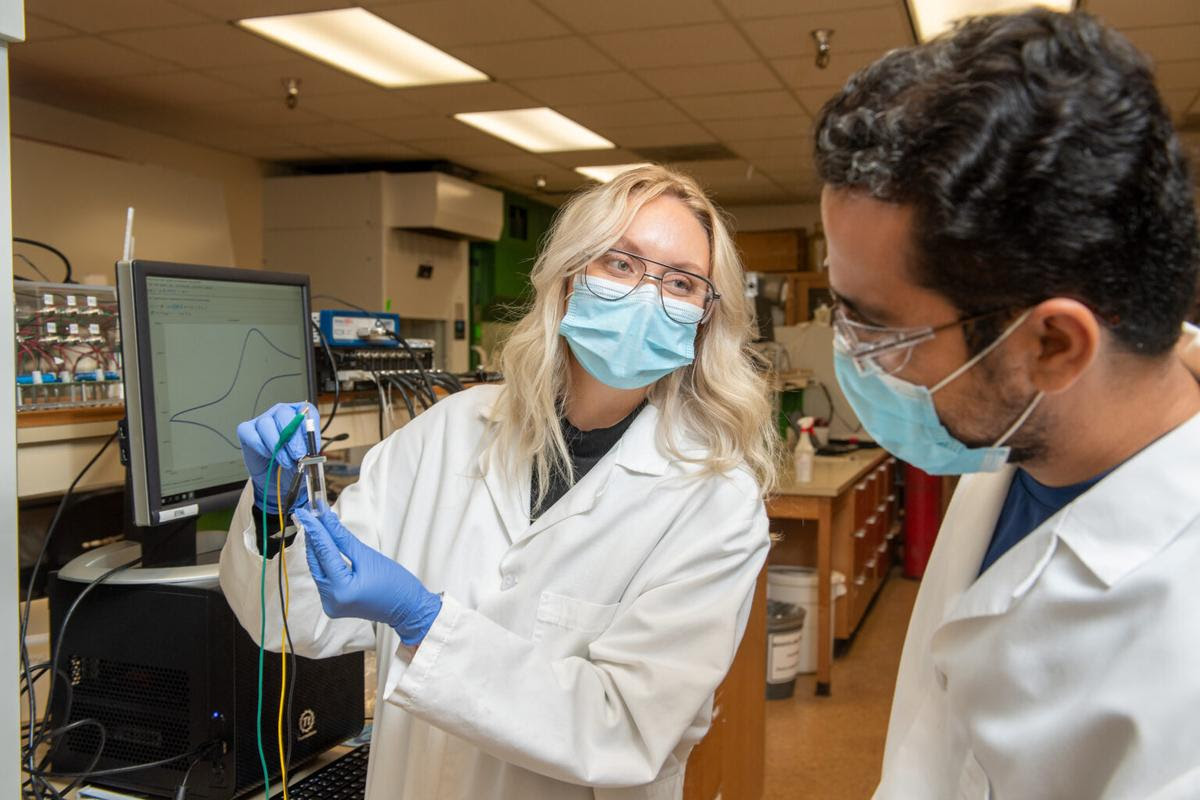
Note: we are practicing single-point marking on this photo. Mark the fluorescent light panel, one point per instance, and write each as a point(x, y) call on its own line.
point(933, 17)
point(538, 130)
point(357, 41)
point(606, 173)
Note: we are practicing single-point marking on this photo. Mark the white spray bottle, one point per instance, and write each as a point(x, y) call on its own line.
point(803, 455)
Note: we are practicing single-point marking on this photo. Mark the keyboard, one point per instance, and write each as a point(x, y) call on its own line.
point(344, 779)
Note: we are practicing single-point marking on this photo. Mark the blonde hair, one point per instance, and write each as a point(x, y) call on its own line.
point(721, 400)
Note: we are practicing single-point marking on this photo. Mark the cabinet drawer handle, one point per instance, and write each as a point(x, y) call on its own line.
point(883, 548)
point(871, 519)
point(862, 487)
point(861, 533)
point(860, 580)
point(871, 563)
point(716, 713)
point(879, 509)
point(891, 498)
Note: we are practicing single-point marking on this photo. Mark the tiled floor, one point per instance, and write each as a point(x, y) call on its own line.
point(830, 748)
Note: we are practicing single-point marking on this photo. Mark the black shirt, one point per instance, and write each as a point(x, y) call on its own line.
point(586, 448)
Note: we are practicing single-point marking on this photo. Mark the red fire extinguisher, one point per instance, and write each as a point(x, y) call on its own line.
point(922, 518)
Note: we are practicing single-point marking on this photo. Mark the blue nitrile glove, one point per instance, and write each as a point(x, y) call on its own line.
point(371, 586)
point(259, 437)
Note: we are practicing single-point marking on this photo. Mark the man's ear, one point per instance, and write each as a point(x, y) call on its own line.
point(1068, 339)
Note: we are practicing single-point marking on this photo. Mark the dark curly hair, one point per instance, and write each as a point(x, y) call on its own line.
point(1040, 162)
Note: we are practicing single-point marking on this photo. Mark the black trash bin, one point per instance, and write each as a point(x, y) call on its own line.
point(785, 622)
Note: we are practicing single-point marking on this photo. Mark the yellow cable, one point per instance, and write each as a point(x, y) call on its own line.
point(283, 652)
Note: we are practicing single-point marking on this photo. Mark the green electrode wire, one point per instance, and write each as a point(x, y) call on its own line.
point(284, 436)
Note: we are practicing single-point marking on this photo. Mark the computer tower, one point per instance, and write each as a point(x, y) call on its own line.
point(167, 668)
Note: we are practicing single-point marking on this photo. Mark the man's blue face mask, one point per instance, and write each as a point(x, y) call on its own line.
point(902, 418)
point(630, 342)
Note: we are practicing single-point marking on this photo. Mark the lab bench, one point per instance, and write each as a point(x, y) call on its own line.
point(852, 500)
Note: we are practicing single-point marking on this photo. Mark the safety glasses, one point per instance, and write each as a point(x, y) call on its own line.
point(877, 349)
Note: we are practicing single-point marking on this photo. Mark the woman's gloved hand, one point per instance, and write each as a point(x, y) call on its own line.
point(259, 437)
point(371, 586)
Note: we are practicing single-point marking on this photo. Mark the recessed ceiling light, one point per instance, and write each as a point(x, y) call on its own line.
point(538, 130)
point(606, 173)
point(357, 41)
point(933, 17)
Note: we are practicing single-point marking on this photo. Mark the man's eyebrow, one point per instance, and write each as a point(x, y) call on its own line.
point(863, 312)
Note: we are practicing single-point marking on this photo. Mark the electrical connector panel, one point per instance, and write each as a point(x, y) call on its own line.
point(68, 346)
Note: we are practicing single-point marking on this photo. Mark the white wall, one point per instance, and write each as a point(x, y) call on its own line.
point(12, 28)
point(63, 159)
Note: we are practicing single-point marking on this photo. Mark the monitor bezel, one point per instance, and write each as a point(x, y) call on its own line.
point(145, 483)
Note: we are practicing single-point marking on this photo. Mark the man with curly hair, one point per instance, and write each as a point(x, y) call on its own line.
point(1013, 246)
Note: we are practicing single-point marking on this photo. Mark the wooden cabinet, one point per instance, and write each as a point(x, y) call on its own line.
point(875, 522)
point(729, 762)
point(773, 251)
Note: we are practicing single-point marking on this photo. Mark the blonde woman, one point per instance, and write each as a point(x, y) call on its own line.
point(554, 573)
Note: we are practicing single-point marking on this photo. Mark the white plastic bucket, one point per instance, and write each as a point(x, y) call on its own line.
point(798, 586)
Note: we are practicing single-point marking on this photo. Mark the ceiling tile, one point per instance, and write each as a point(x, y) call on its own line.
point(210, 45)
point(478, 145)
point(742, 105)
point(176, 89)
point(764, 128)
point(557, 179)
point(518, 162)
point(872, 29)
point(84, 57)
point(377, 151)
point(627, 114)
point(568, 55)
point(1144, 13)
point(814, 99)
point(676, 47)
point(657, 135)
point(1177, 74)
point(748, 76)
point(767, 149)
point(327, 133)
point(584, 158)
point(114, 15)
point(370, 104)
point(599, 88)
point(315, 78)
point(1168, 43)
point(259, 112)
point(225, 137)
point(412, 128)
point(625, 15)
point(748, 9)
point(38, 29)
point(802, 72)
point(489, 96)
point(243, 9)
point(454, 22)
point(284, 152)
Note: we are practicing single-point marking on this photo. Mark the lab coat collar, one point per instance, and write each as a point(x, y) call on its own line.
point(1139, 508)
point(638, 450)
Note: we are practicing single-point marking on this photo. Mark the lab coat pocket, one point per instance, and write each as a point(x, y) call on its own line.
point(973, 782)
point(565, 626)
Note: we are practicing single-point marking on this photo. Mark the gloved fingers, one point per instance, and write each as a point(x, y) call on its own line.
point(255, 454)
point(319, 543)
point(343, 539)
point(314, 564)
point(284, 413)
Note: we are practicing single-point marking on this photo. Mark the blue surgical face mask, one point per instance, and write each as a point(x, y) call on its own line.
point(902, 418)
point(631, 342)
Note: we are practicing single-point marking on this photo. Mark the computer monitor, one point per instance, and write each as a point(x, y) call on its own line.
point(203, 349)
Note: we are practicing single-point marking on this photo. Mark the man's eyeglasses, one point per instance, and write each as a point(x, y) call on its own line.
point(687, 298)
point(877, 349)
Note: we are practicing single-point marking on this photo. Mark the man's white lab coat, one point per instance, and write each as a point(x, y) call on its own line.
point(579, 651)
point(1071, 668)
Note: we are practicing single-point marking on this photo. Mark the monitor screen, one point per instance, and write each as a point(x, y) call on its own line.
point(213, 348)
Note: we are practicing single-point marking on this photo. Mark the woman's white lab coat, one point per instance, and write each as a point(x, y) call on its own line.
point(578, 651)
point(1071, 668)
